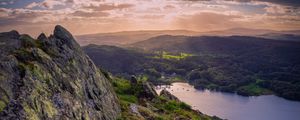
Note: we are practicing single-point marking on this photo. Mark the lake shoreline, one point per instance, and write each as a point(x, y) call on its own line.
point(233, 106)
point(244, 94)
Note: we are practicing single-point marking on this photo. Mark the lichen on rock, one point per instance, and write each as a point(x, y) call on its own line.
point(51, 78)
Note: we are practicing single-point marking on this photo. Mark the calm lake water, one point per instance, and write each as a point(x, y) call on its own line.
point(235, 107)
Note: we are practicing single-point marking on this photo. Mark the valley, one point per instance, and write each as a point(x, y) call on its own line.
point(51, 77)
point(250, 66)
point(149, 59)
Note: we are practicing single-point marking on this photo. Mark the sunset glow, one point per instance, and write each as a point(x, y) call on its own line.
point(94, 16)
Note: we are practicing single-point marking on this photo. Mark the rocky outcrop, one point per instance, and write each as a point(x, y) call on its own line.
point(148, 91)
point(168, 95)
point(51, 78)
point(133, 80)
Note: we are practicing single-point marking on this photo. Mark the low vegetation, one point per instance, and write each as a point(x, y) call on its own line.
point(171, 56)
point(253, 89)
point(157, 108)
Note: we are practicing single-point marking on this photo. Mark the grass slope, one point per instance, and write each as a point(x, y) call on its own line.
point(159, 108)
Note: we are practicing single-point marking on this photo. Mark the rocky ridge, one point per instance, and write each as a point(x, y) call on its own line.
point(52, 78)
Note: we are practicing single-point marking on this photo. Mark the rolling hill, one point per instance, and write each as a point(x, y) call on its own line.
point(129, 37)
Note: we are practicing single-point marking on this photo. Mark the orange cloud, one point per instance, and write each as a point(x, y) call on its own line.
point(90, 14)
point(207, 21)
point(93, 16)
point(104, 7)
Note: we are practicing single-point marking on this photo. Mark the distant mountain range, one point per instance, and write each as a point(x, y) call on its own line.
point(129, 37)
point(280, 36)
point(194, 44)
point(248, 32)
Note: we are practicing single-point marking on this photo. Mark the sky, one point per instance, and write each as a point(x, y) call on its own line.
point(101, 16)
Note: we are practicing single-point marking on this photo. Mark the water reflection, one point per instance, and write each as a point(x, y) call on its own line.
point(236, 107)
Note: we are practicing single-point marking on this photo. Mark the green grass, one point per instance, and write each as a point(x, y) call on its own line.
point(128, 98)
point(171, 80)
point(177, 79)
point(2, 105)
point(121, 86)
point(175, 105)
point(143, 78)
point(212, 86)
point(171, 56)
point(169, 109)
point(254, 89)
point(178, 109)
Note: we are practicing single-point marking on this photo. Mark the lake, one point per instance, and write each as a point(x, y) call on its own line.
point(235, 107)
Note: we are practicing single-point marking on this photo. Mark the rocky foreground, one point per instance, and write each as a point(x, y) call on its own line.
point(51, 78)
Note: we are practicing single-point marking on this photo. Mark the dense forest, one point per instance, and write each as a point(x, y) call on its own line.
point(246, 65)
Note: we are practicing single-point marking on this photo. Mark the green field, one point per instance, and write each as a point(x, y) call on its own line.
point(171, 56)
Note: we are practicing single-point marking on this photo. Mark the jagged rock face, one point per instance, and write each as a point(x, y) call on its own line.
point(51, 78)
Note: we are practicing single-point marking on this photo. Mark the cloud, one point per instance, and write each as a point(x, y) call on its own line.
point(32, 5)
point(168, 7)
point(16, 17)
point(105, 7)
point(294, 3)
point(4, 12)
point(7, 2)
point(90, 14)
point(276, 9)
point(207, 21)
point(152, 16)
point(109, 15)
point(49, 4)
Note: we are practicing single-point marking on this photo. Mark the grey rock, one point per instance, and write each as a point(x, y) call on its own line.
point(65, 37)
point(133, 80)
point(52, 78)
point(42, 37)
point(8, 42)
point(61, 33)
point(12, 34)
point(168, 95)
point(134, 109)
point(148, 91)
